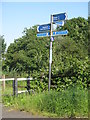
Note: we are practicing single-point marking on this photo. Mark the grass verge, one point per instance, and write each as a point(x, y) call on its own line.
point(72, 102)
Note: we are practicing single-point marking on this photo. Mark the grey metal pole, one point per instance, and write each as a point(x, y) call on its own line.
point(50, 55)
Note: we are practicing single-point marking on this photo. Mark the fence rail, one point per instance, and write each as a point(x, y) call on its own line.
point(19, 79)
point(15, 84)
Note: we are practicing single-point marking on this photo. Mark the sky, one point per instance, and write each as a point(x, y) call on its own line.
point(16, 16)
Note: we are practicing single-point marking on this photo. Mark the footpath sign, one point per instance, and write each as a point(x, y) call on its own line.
point(44, 27)
point(47, 27)
point(59, 17)
point(46, 30)
point(60, 23)
point(65, 32)
point(47, 34)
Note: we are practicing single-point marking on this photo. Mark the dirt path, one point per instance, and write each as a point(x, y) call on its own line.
point(11, 113)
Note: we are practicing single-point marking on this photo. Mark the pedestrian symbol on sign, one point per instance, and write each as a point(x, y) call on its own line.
point(52, 38)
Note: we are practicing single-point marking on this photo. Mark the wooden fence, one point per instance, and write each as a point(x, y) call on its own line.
point(15, 84)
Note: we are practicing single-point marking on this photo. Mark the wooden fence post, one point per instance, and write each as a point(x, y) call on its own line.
point(15, 87)
point(3, 82)
point(28, 84)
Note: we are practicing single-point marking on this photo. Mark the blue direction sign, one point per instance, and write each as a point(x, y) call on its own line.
point(60, 23)
point(43, 34)
point(44, 27)
point(59, 17)
point(64, 32)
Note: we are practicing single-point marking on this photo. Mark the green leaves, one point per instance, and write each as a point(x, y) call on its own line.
point(2, 53)
point(2, 45)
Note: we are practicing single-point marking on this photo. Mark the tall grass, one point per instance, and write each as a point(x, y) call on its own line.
point(72, 102)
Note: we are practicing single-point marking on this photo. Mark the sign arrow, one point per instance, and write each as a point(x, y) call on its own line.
point(43, 34)
point(59, 17)
point(64, 32)
point(44, 27)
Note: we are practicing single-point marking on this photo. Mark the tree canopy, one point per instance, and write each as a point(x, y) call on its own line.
point(2, 46)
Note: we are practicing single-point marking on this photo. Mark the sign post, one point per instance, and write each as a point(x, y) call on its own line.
point(55, 19)
point(50, 54)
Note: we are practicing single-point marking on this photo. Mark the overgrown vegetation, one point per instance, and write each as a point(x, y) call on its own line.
point(73, 102)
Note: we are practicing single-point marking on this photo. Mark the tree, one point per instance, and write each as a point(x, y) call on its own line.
point(2, 51)
point(78, 30)
point(3, 46)
point(27, 54)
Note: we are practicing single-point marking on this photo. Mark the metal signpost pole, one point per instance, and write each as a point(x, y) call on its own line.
point(50, 55)
point(55, 19)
